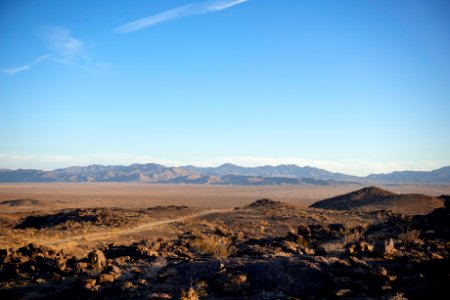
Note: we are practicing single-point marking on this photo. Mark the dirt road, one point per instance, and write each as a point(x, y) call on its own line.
point(97, 236)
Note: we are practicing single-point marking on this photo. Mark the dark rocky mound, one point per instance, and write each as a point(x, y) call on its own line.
point(267, 203)
point(114, 217)
point(376, 198)
point(445, 198)
point(435, 224)
point(20, 202)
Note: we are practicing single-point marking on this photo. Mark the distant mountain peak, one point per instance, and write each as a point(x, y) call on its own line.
point(373, 191)
point(229, 165)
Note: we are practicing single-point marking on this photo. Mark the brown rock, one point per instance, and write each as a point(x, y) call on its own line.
point(289, 246)
point(55, 276)
point(304, 231)
point(436, 256)
point(384, 248)
point(160, 296)
point(39, 280)
point(308, 251)
point(106, 278)
point(81, 266)
point(90, 281)
point(380, 271)
point(60, 264)
point(88, 286)
point(97, 259)
point(126, 285)
point(343, 292)
point(120, 261)
point(232, 283)
point(350, 249)
point(114, 269)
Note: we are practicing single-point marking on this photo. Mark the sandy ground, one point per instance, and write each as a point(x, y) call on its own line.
point(136, 195)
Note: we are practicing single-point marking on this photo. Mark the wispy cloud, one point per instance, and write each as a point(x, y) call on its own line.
point(14, 70)
point(179, 12)
point(54, 161)
point(63, 48)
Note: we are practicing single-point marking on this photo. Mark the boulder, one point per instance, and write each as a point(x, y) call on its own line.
point(289, 246)
point(384, 248)
point(97, 259)
point(160, 296)
point(81, 266)
point(126, 286)
point(304, 231)
point(106, 278)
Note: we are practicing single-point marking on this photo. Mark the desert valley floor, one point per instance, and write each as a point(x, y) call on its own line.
point(141, 241)
point(137, 195)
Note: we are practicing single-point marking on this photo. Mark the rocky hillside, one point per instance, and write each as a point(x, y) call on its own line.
point(371, 198)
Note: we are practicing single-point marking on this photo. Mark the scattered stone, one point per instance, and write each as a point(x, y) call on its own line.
point(232, 283)
point(97, 259)
point(304, 231)
point(343, 292)
point(81, 266)
point(384, 248)
point(126, 285)
point(106, 278)
point(160, 296)
point(114, 269)
point(436, 256)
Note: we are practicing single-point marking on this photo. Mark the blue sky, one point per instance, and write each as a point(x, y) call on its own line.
point(350, 86)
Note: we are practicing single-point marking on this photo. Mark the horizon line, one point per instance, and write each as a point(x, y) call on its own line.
point(217, 166)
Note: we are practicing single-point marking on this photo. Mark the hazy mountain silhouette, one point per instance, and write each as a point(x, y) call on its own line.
point(435, 176)
point(293, 171)
point(224, 174)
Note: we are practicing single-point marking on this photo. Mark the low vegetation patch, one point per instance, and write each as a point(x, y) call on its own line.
point(213, 245)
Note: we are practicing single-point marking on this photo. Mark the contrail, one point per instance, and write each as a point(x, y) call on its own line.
point(179, 12)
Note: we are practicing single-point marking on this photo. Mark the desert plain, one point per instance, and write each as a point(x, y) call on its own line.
point(141, 195)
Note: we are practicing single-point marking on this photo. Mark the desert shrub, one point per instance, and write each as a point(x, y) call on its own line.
point(190, 294)
point(216, 246)
point(353, 236)
point(398, 296)
point(410, 236)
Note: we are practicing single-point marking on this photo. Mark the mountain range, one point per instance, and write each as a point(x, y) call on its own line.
point(227, 174)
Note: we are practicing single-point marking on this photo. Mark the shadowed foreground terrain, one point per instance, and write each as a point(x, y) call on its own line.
point(264, 250)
